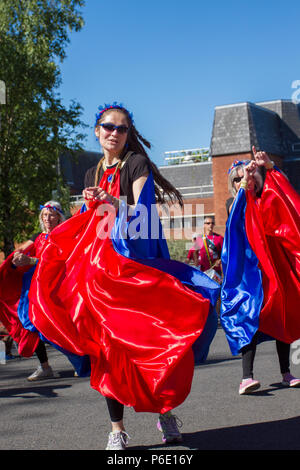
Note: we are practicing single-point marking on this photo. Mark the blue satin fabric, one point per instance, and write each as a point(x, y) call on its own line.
point(148, 246)
point(83, 208)
point(80, 363)
point(242, 292)
point(140, 236)
point(23, 307)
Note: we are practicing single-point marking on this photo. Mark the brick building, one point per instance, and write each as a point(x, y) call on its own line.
point(273, 126)
point(201, 174)
point(190, 171)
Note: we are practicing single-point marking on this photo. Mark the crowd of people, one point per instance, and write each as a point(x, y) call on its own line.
point(127, 315)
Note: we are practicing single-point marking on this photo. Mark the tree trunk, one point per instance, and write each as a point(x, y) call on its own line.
point(8, 247)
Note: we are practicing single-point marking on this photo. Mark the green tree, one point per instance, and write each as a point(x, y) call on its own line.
point(35, 126)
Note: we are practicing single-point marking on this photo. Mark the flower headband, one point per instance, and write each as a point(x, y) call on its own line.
point(115, 105)
point(238, 163)
point(48, 206)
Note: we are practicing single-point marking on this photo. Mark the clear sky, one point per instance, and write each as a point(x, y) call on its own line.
point(171, 62)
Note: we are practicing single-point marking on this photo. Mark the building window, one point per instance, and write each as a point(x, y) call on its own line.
point(187, 222)
point(199, 221)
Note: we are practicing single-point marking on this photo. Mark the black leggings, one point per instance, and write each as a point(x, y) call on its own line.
point(115, 409)
point(41, 352)
point(248, 355)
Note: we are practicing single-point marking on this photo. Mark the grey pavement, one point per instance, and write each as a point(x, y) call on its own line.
point(64, 413)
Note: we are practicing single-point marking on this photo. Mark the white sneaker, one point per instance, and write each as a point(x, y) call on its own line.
point(41, 374)
point(117, 440)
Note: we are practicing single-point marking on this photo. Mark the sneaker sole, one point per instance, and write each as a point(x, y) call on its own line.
point(115, 448)
point(249, 389)
point(288, 384)
point(37, 379)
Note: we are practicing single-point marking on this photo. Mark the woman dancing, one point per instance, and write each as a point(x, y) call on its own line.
point(261, 264)
point(14, 274)
point(112, 291)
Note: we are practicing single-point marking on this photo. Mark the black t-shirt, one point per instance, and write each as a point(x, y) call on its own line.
point(135, 166)
point(228, 204)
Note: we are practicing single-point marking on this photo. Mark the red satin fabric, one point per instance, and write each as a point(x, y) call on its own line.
point(10, 291)
point(273, 229)
point(137, 323)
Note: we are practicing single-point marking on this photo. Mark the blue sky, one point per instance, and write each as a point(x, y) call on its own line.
point(171, 62)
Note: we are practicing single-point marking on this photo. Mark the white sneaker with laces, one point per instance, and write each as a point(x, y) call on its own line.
point(41, 374)
point(117, 440)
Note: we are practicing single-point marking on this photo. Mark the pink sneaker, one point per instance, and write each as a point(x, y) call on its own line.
point(248, 386)
point(290, 381)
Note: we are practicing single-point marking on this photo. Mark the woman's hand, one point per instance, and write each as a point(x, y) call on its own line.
point(249, 171)
point(262, 158)
point(91, 193)
point(20, 259)
point(98, 194)
point(103, 196)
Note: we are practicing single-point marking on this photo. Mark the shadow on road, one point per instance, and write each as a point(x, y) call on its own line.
point(272, 435)
point(48, 391)
point(216, 360)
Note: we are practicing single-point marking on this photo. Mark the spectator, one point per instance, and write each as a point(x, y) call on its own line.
point(208, 248)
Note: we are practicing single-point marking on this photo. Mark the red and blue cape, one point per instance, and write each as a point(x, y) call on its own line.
point(104, 290)
point(11, 284)
point(261, 265)
point(15, 283)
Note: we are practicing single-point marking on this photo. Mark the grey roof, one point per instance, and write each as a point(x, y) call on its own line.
point(273, 126)
point(230, 130)
point(192, 179)
point(265, 129)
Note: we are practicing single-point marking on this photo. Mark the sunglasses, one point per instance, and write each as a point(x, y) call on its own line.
point(238, 179)
point(108, 127)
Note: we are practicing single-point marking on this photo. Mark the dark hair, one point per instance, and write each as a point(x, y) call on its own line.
point(164, 190)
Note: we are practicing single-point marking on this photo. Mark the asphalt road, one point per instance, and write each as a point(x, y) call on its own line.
point(64, 413)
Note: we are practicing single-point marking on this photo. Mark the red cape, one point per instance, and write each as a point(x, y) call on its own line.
point(10, 292)
point(273, 229)
point(137, 323)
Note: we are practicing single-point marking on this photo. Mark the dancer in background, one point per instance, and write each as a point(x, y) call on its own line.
point(8, 341)
point(208, 248)
point(190, 255)
point(15, 278)
point(134, 311)
point(261, 264)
